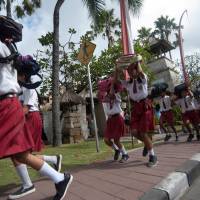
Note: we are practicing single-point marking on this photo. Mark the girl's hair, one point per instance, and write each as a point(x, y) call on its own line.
point(27, 78)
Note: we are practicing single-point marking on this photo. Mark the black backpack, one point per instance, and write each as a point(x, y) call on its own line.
point(10, 29)
point(158, 88)
point(179, 89)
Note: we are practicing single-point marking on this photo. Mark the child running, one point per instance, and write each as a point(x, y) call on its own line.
point(137, 88)
point(189, 113)
point(115, 123)
point(29, 100)
point(15, 139)
point(167, 115)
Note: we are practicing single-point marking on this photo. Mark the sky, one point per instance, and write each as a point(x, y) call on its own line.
point(75, 15)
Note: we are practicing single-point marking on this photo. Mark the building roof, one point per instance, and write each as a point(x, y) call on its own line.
point(71, 98)
point(159, 47)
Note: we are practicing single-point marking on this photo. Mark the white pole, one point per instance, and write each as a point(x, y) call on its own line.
point(93, 111)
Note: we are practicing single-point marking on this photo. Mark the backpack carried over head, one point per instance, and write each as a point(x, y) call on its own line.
point(10, 33)
point(158, 88)
point(28, 66)
point(105, 85)
point(10, 29)
point(179, 89)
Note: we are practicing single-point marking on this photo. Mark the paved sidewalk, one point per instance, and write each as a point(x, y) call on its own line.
point(111, 180)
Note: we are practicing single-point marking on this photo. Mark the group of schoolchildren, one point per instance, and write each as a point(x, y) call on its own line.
point(20, 120)
point(21, 124)
point(190, 113)
point(141, 121)
point(142, 111)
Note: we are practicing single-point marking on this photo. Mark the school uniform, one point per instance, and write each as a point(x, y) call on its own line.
point(197, 106)
point(188, 110)
point(115, 122)
point(14, 138)
point(151, 115)
point(33, 118)
point(166, 111)
point(141, 106)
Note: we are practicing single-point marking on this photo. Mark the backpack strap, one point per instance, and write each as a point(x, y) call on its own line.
point(32, 85)
point(14, 53)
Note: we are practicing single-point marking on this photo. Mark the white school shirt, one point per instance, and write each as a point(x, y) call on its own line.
point(197, 104)
point(190, 103)
point(8, 74)
point(142, 89)
point(167, 100)
point(116, 106)
point(29, 98)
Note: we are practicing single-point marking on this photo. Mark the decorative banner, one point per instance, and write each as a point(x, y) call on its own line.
point(127, 41)
point(86, 52)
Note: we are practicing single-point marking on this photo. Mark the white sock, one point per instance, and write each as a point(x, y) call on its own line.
point(114, 146)
point(151, 152)
point(47, 170)
point(51, 159)
point(123, 150)
point(24, 176)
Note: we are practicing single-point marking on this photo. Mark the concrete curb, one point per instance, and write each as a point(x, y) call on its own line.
point(176, 183)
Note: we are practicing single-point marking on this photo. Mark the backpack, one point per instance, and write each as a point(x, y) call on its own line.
point(158, 88)
point(28, 66)
point(179, 89)
point(10, 29)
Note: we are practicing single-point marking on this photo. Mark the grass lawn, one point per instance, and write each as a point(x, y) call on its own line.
point(74, 155)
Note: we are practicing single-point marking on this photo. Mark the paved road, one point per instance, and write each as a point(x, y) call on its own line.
point(110, 180)
point(194, 192)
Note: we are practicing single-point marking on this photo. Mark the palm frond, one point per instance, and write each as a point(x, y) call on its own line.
point(135, 6)
point(94, 8)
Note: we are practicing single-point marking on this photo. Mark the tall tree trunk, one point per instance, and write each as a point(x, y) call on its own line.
point(8, 9)
point(57, 135)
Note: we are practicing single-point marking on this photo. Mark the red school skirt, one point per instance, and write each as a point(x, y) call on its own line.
point(142, 116)
point(168, 117)
point(191, 116)
point(114, 127)
point(34, 123)
point(14, 134)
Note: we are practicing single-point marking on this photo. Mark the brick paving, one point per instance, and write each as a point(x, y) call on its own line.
point(109, 180)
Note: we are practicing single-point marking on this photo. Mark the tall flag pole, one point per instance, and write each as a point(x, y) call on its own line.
point(127, 41)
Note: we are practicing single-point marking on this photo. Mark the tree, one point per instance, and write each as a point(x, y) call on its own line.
point(164, 27)
point(144, 34)
point(27, 7)
point(94, 7)
point(107, 25)
point(192, 64)
point(57, 137)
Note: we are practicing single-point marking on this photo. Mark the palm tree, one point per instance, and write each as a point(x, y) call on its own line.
point(164, 27)
point(144, 34)
point(95, 7)
point(26, 7)
point(106, 25)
